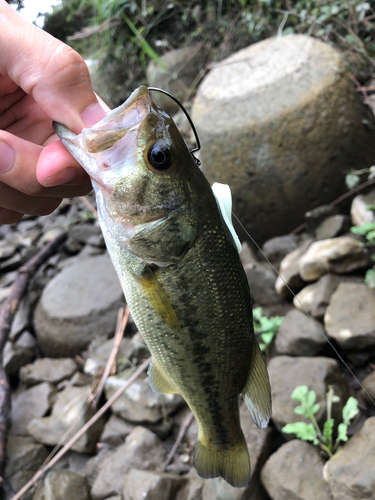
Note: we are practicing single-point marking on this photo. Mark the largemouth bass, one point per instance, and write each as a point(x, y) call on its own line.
point(181, 274)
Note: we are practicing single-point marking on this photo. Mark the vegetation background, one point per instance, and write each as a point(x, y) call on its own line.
point(124, 35)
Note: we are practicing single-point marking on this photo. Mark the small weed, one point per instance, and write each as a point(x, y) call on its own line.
point(367, 230)
point(265, 328)
point(311, 432)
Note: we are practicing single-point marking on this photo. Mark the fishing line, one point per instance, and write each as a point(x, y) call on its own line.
point(304, 309)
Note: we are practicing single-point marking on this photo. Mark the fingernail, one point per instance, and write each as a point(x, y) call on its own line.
point(7, 156)
point(93, 114)
point(62, 177)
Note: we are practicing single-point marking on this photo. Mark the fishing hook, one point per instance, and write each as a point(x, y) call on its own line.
point(197, 161)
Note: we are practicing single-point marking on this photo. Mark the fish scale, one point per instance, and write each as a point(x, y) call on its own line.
point(181, 274)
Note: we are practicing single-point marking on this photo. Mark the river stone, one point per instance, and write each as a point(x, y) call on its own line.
point(61, 484)
point(299, 335)
point(79, 303)
point(115, 431)
point(29, 404)
point(295, 472)
point(350, 320)
point(48, 370)
point(24, 457)
point(359, 212)
point(350, 473)
point(332, 226)
point(70, 407)
point(141, 450)
point(15, 356)
point(289, 276)
point(286, 373)
point(179, 77)
point(139, 403)
point(280, 121)
point(150, 485)
point(338, 255)
point(369, 384)
point(275, 249)
point(315, 298)
point(314, 217)
point(262, 285)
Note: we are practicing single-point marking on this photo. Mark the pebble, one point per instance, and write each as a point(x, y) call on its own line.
point(48, 370)
point(61, 484)
point(289, 272)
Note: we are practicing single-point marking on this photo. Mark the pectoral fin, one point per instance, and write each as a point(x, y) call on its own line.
point(257, 392)
point(158, 298)
point(158, 381)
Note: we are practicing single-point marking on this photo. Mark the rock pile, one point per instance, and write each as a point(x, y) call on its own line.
point(63, 334)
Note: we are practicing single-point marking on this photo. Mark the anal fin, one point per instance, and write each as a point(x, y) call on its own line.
point(158, 381)
point(257, 391)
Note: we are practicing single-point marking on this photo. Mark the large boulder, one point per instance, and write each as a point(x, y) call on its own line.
point(78, 304)
point(281, 122)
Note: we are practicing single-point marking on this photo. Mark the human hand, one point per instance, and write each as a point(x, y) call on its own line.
point(41, 80)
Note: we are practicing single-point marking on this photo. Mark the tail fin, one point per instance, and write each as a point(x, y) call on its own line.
point(232, 464)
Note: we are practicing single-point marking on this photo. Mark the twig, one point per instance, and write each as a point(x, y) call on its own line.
point(86, 202)
point(80, 433)
point(181, 434)
point(5, 484)
point(7, 313)
point(122, 320)
point(336, 202)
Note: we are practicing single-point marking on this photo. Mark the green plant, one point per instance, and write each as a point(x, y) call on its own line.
point(265, 328)
point(367, 230)
point(311, 431)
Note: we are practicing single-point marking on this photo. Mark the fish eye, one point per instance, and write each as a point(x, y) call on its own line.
point(159, 156)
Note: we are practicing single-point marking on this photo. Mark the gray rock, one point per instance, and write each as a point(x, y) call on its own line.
point(193, 488)
point(29, 404)
point(289, 272)
point(180, 78)
point(283, 124)
point(137, 351)
point(247, 254)
point(28, 238)
point(295, 472)
point(332, 226)
point(262, 285)
point(27, 340)
point(141, 484)
point(338, 255)
point(359, 212)
point(317, 215)
point(83, 232)
point(286, 373)
point(70, 407)
point(315, 298)
point(15, 356)
point(299, 335)
point(12, 263)
point(115, 431)
point(99, 355)
point(61, 484)
point(139, 403)
point(7, 249)
point(79, 379)
point(48, 370)
point(350, 473)
point(277, 248)
point(73, 308)
point(142, 450)
point(369, 384)
point(350, 320)
point(24, 457)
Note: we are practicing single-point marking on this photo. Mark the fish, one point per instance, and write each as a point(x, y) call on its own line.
point(172, 243)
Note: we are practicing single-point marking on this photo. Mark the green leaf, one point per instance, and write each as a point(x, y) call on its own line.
point(352, 180)
point(341, 432)
point(335, 399)
point(327, 430)
point(350, 410)
point(299, 394)
point(370, 278)
point(311, 398)
point(364, 229)
point(315, 408)
point(303, 431)
point(300, 410)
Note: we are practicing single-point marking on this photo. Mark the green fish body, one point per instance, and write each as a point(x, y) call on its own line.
point(182, 277)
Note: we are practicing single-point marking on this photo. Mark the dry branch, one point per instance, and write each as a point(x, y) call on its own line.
point(7, 312)
point(181, 434)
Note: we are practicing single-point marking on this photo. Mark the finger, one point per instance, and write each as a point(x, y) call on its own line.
point(55, 75)
point(11, 199)
point(18, 160)
point(9, 217)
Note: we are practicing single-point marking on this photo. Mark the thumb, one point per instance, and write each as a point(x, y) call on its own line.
point(52, 72)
